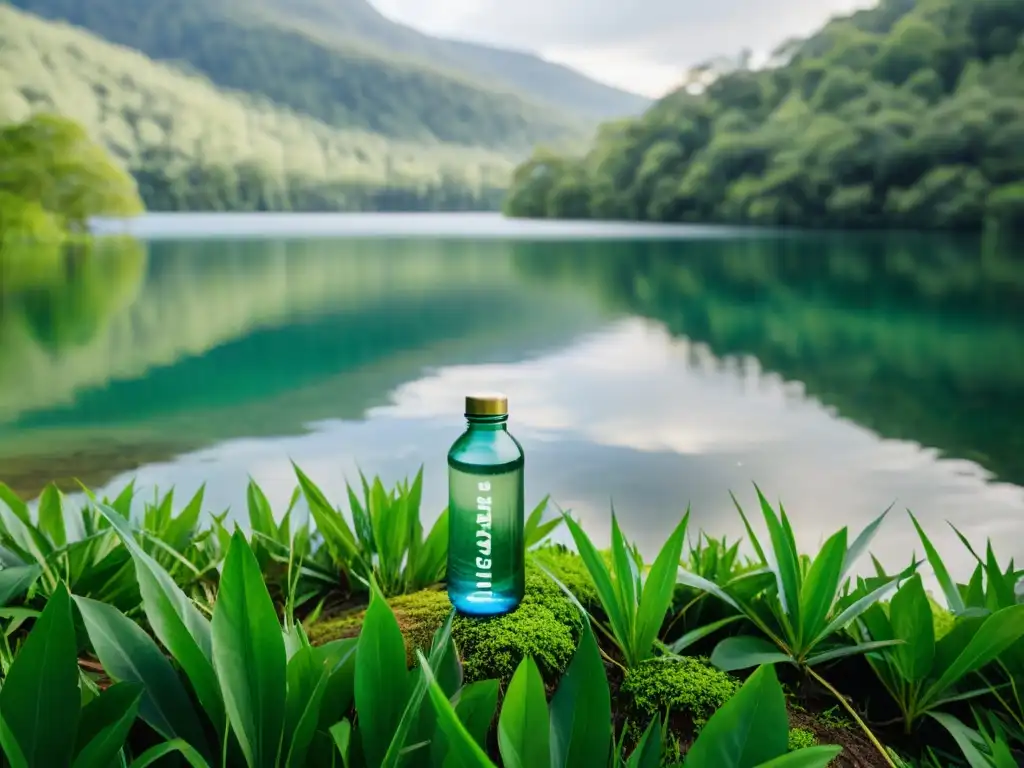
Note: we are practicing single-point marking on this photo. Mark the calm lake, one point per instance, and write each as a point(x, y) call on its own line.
point(649, 367)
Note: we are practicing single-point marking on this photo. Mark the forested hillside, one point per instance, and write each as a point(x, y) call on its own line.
point(348, 84)
point(908, 114)
point(193, 146)
point(349, 21)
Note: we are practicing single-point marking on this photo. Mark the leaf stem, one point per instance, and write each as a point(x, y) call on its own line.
point(853, 713)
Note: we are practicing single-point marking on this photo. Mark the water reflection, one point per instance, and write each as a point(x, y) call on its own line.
point(657, 373)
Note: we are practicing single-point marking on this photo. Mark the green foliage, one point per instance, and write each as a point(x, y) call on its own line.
point(545, 627)
point(752, 730)
point(336, 82)
point(635, 600)
point(54, 178)
point(905, 115)
point(194, 146)
point(800, 738)
point(681, 685)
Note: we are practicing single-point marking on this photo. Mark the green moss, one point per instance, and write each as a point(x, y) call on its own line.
point(546, 626)
point(683, 686)
point(942, 619)
point(801, 738)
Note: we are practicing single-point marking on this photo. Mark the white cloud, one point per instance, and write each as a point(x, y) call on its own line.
point(645, 45)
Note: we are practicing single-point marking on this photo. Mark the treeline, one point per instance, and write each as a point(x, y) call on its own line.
point(343, 85)
point(248, 187)
point(909, 114)
point(192, 146)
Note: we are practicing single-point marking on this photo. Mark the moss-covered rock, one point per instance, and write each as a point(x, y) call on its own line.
point(546, 625)
point(688, 688)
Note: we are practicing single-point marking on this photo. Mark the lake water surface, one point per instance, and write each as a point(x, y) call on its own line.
point(652, 367)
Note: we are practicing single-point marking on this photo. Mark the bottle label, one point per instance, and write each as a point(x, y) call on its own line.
point(485, 560)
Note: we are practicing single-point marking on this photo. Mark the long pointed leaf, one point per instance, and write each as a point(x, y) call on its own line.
point(249, 656)
point(523, 730)
point(658, 591)
point(129, 655)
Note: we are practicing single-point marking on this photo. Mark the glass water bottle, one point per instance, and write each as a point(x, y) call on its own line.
point(485, 512)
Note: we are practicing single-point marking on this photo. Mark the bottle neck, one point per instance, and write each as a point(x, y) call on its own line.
point(487, 423)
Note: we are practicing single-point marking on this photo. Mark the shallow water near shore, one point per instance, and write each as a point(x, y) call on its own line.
point(650, 367)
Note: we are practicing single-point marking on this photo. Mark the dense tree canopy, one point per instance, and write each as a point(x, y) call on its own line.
point(347, 86)
point(908, 114)
point(193, 146)
point(53, 178)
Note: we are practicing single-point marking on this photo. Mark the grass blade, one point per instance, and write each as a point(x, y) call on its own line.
point(949, 587)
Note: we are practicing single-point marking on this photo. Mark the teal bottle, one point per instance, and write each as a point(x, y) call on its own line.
point(486, 549)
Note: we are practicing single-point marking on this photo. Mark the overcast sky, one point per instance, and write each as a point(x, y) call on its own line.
point(640, 45)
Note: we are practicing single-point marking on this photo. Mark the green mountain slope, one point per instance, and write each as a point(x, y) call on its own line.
point(351, 21)
point(194, 146)
point(909, 114)
point(326, 75)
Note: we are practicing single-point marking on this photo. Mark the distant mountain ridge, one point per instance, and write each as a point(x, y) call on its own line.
point(344, 63)
point(528, 73)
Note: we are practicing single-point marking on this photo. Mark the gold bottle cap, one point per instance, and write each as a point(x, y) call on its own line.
point(487, 404)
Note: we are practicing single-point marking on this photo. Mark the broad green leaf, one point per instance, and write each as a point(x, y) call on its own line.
point(341, 734)
point(809, 757)
point(16, 581)
point(606, 591)
point(431, 560)
point(476, 706)
point(442, 652)
point(301, 730)
point(9, 746)
point(249, 656)
point(966, 738)
point(581, 709)
point(997, 633)
point(949, 588)
point(746, 651)
point(40, 698)
point(523, 728)
point(819, 588)
point(129, 655)
point(854, 610)
point(381, 678)
point(785, 563)
point(161, 751)
point(51, 515)
point(700, 633)
point(261, 516)
point(911, 617)
point(331, 525)
point(175, 620)
point(647, 752)
point(339, 657)
point(750, 728)
point(658, 591)
point(105, 723)
point(463, 750)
